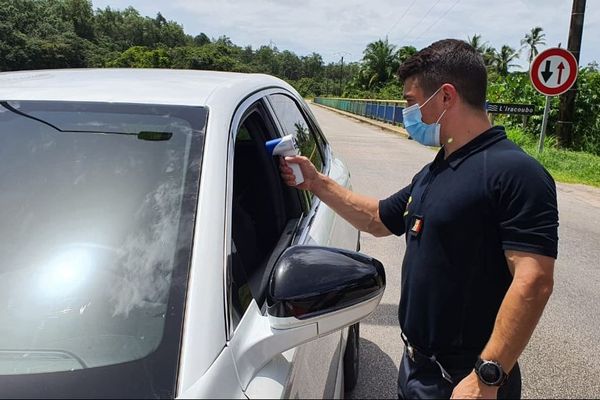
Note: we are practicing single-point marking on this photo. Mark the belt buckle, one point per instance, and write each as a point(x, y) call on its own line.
point(411, 352)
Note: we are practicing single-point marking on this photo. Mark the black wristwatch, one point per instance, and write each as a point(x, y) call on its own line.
point(490, 372)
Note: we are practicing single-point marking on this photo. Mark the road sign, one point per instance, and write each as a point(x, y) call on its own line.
point(553, 71)
point(508, 108)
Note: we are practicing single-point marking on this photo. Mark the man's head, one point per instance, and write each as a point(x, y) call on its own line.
point(453, 76)
point(449, 61)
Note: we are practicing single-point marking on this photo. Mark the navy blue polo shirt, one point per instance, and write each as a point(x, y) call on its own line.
point(459, 215)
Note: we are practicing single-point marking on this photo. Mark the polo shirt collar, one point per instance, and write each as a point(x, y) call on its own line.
point(487, 138)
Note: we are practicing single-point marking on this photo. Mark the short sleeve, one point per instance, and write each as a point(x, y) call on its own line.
point(391, 211)
point(526, 208)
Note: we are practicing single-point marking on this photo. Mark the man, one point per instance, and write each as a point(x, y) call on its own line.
point(481, 226)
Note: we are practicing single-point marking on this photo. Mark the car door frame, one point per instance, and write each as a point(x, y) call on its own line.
point(304, 229)
point(309, 211)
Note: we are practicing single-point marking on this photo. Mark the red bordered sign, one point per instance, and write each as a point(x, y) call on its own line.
point(553, 71)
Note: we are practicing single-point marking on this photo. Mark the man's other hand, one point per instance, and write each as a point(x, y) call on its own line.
point(472, 388)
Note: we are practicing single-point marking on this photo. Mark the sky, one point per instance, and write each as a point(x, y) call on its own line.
point(343, 28)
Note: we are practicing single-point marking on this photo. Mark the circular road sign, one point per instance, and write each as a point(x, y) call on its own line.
point(553, 71)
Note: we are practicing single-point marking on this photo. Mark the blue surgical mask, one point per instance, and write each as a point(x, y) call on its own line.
point(426, 134)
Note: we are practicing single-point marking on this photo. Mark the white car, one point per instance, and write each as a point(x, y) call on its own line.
point(150, 249)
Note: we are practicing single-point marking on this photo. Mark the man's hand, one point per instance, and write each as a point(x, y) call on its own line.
point(310, 173)
point(472, 388)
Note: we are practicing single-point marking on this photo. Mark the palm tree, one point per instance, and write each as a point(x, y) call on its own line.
point(476, 42)
point(489, 57)
point(532, 40)
point(504, 58)
point(488, 53)
point(380, 61)
point(405, 52)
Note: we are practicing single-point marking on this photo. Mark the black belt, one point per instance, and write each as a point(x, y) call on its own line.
point(438, 359)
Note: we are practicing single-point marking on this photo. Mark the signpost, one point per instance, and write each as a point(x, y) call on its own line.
point(509, 108)
point(552, 73)
point(525, 110)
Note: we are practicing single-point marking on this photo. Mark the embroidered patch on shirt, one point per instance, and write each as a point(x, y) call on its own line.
point(417, 225)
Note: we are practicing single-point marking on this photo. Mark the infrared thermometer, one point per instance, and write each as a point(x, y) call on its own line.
point(286, 146)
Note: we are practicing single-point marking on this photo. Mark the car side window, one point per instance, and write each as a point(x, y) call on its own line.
point(262, 211)
point(293, 122)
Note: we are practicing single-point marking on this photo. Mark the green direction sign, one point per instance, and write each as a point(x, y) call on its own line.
point(507, 108)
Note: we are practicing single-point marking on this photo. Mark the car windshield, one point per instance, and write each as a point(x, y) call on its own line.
point(97, 202)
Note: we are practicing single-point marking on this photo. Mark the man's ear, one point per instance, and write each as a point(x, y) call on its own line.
point(449, 94)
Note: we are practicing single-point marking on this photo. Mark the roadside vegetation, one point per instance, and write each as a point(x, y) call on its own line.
point(564, 165)
point(40, 34)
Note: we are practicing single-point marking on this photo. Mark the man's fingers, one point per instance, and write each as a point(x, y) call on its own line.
point(286, 172)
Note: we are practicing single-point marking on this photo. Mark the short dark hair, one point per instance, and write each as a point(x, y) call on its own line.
point(449, 61)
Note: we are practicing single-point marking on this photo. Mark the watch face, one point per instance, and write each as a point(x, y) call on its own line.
point(490, 373)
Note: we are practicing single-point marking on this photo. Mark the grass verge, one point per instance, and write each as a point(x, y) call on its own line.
point(564, 165)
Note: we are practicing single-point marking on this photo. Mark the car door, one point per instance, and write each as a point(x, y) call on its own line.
point(262, 220)
point(316, 365)
point(266, 217)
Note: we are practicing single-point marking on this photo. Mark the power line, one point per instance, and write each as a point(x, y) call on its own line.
point(401, 17)
point(438, 20)
point(422, 18)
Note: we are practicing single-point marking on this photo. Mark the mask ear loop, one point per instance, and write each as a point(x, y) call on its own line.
point(430, 97)
point(440, 118)
point(450, 140)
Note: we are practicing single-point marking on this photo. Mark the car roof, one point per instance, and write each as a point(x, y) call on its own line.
point(145, 86)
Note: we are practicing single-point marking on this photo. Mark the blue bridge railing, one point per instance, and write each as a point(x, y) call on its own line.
point(389, 111)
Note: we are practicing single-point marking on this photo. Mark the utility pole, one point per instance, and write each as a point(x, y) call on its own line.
point(564, 128)
point(342, 77)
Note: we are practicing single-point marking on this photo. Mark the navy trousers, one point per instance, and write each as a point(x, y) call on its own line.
point(422, 379)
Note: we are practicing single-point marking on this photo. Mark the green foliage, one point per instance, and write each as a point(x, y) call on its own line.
point(33, 35)
point(571, 166)
point(142, 57)
point(516, 88)
point(380, 61)
point(308, 87)
point(124, 29)
point(564, 165)
point(532, 40)
point(392, 91)
point(38, 34)
point(502, 60)
point(587, 112)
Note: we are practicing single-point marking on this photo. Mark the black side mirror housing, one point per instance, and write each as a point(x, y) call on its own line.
point(310, 281)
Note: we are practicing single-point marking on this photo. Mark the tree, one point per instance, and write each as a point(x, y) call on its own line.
point(39, 34)
point(532, 40)
point(291, 65)
point(312, 65)
point(487, 52)
point(380, 62)
point(81, 14)
point(405, 52)
point(266, 59)
point(489, 57)
point(201, 39)
point(476, 42)
point(504, 58)
point(142, 57)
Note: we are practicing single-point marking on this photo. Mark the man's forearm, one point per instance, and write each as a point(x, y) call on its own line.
point(361, 211)
point(517, 318)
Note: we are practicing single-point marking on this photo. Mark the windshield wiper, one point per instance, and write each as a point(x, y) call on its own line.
point(142, 135)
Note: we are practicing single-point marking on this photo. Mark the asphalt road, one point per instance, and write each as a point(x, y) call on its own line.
point(563, 356)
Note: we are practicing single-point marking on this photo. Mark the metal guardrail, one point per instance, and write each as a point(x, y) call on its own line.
point(389, 111)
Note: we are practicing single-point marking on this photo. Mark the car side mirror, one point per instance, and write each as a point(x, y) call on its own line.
point(312, 292)
point(309, 282)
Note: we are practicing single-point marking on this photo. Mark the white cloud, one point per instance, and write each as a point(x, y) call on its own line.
point(336, 28)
